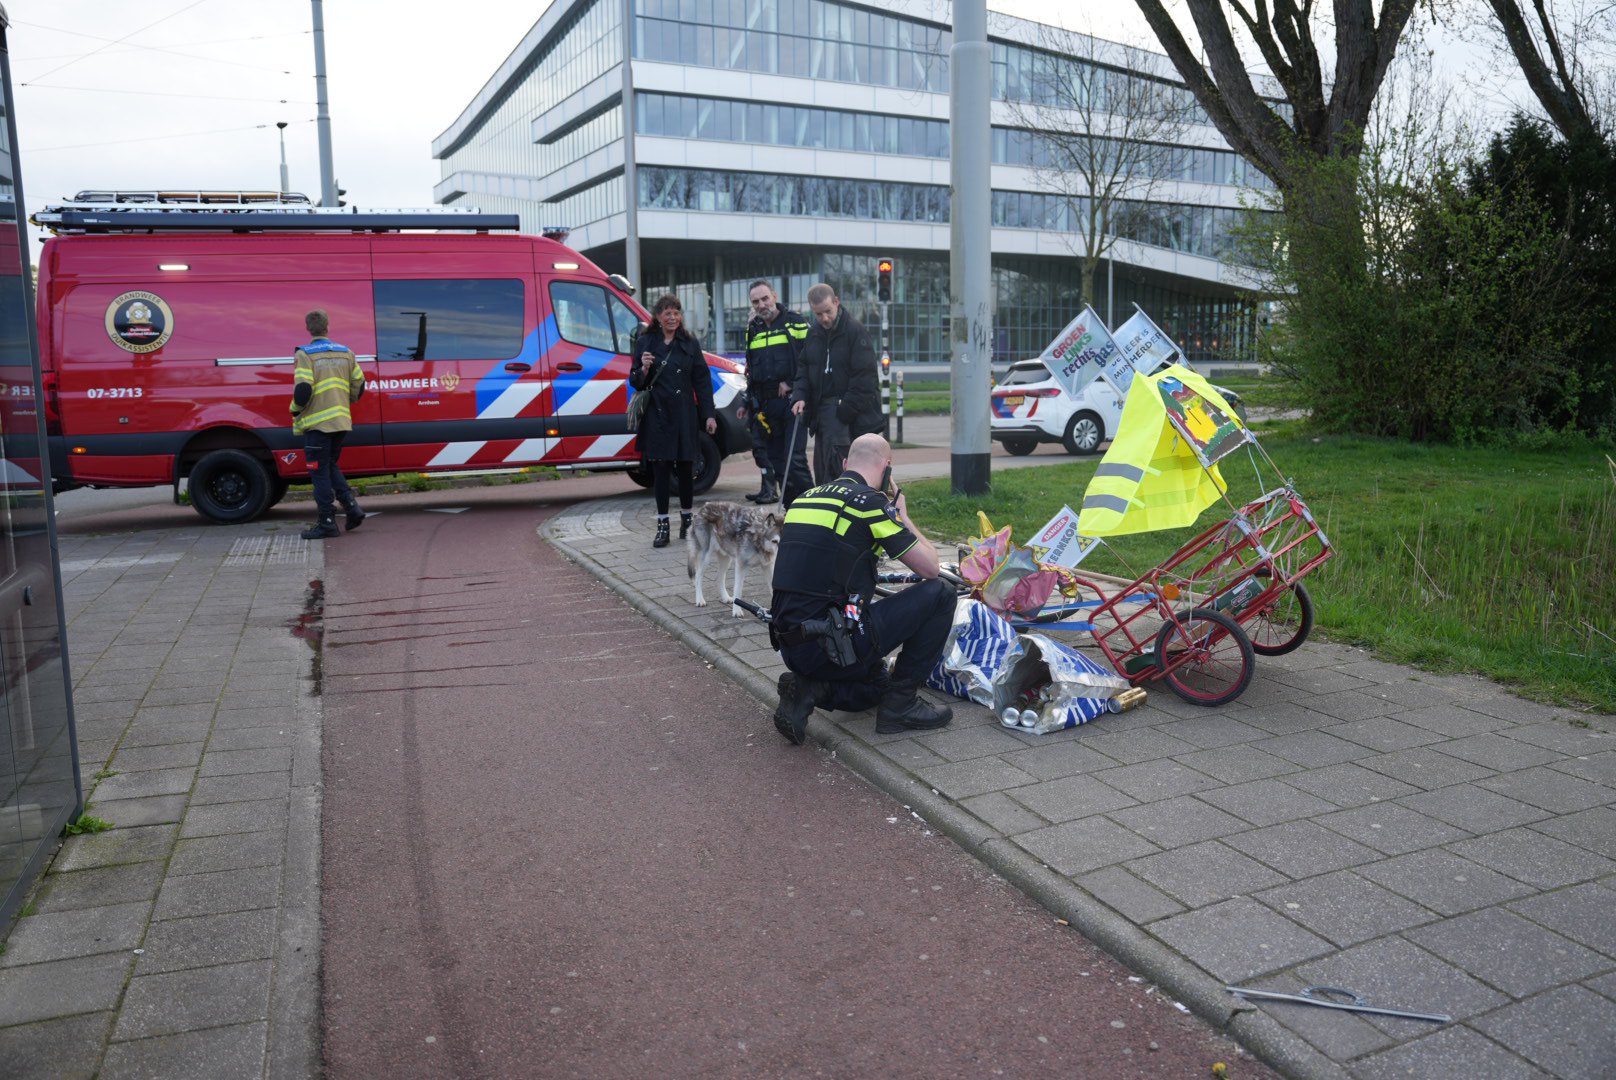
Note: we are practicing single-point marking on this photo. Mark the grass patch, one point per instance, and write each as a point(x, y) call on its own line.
point(87, 823)
point(1496, 561)
point(1263, 391)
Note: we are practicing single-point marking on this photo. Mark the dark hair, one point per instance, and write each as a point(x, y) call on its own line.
point(317, 322)
point(756, 283)
point(663, 303)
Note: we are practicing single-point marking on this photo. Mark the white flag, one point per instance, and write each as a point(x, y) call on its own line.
point(1058, 542)
point(1142, 346)
point(1080, 353)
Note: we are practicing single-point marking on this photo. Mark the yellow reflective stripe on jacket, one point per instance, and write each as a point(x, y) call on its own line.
point(799, 514)
point(884, 528)
point(797, 330)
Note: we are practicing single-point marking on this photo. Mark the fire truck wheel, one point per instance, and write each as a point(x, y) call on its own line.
point(229, 487)
point(708, 465)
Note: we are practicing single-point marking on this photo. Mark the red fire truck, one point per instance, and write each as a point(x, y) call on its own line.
point(167, 322)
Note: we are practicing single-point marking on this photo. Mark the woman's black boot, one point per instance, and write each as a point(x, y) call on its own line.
point(684, 524)
point(661, 533)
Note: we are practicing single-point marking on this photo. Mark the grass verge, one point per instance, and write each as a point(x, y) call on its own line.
point(1495, 561)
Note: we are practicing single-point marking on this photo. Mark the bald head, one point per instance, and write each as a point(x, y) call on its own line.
point(869, 456)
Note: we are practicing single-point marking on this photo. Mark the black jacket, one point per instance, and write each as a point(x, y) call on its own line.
point(772, 352)
point(838, 366)
point(681, 397)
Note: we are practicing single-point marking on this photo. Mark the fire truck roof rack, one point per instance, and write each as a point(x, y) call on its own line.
point(248, 211)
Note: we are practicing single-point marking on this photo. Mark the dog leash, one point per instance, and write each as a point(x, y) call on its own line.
point(791, 454)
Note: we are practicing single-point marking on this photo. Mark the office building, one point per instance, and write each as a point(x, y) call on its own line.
point(801, 140)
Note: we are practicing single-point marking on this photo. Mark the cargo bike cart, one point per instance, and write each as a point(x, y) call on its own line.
point(1197, 620)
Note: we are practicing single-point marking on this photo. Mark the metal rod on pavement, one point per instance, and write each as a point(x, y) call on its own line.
point(1358, 1004)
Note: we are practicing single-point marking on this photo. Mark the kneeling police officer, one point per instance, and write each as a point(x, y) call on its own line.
point(830, 635)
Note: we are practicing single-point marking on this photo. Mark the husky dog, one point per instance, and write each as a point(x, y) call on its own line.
point(739, 534)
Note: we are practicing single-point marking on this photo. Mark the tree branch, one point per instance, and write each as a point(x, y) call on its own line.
point(1560, 101)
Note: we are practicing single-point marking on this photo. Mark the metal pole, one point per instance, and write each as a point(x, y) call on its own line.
point(631, 176)
point(1110, 291)
point(899, 390)
point(286, 184)
point(718, 304)
point(971, 255)
point(886, 372)
point(322, 113)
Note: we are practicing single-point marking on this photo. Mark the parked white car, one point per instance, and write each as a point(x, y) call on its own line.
point(1030, 407)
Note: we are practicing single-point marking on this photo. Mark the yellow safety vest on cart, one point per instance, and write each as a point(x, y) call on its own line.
point(1150, 478)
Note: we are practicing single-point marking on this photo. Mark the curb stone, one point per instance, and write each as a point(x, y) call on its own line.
point(1257, 1032)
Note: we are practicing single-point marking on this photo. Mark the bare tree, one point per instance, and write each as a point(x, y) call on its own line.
point(1096, 136)
point(1567, 66)
point(1325, 121)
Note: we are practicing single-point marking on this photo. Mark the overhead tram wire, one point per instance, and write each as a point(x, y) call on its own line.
point(159, 48)
point(150, 48)
point(159, 138)
point(119, 41)
point(164, 93)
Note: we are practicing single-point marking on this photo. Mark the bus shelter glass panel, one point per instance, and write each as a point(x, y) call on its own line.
point(39, 782)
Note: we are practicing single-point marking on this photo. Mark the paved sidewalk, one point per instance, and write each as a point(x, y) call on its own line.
point(1431, 842)
point(184, 942)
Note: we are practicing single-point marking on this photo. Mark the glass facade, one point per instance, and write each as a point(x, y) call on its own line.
point(1033, 299)
point(1195, 230)
point(682, 117)
point(39, 777)
point(811, 39)
point(589, 44)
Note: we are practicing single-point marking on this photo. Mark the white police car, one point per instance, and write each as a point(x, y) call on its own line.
point(1029, 407)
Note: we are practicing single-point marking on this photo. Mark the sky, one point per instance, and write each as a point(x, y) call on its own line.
point(186, 93)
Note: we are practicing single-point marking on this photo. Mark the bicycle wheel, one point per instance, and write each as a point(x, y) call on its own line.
point(1220, 661)
point(1283, 624)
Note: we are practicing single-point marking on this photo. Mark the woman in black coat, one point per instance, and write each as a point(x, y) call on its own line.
point(672, 366)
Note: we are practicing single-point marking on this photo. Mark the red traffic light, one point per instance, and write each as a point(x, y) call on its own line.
point(885, 266)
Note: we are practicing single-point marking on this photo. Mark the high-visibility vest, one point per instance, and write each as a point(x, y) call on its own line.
point(1150, 478)
point(333, 373)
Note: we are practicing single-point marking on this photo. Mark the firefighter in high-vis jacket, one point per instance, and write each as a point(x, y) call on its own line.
point(829, 633)
point(774, 342)
point(325, 383)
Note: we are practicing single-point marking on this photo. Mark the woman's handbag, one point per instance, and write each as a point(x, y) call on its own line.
point(640, 402)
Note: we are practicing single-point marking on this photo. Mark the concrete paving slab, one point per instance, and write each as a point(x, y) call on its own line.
point(115, 848)
point(1077, 847)
point(1204, 873)
point(62, 935)
point(1509, 953)
point(1301, 849)
point(194, 999)
point(1569, 1032)
point(1535, 858)
point(1455, 1053)
point(1345, 908)
point(1443, 881)
point(193, 1055)
point(65, 1049)
point(1239, 939)
point(207, 941)
point(62, 988)
point(1070, 798)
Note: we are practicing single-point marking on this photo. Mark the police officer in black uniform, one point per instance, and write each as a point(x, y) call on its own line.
point(830, 634)
point(774, 343)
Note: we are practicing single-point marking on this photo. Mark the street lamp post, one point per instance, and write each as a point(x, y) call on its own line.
point(285, 181)
point(322, 123)
point(970, 279)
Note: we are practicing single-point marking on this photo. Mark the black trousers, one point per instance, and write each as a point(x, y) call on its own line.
point(916, 620)
point(321, 450)
point(662, 472)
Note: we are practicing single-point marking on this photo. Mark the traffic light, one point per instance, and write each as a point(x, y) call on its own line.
point(340, 193)
point(883, 280)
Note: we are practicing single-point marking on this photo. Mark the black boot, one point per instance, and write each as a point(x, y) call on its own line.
point(798, 696)
point(355, 516)
point(661, 533)
point(903, 709)
point(765, 493)
point(684, 524)
point(323, 529)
